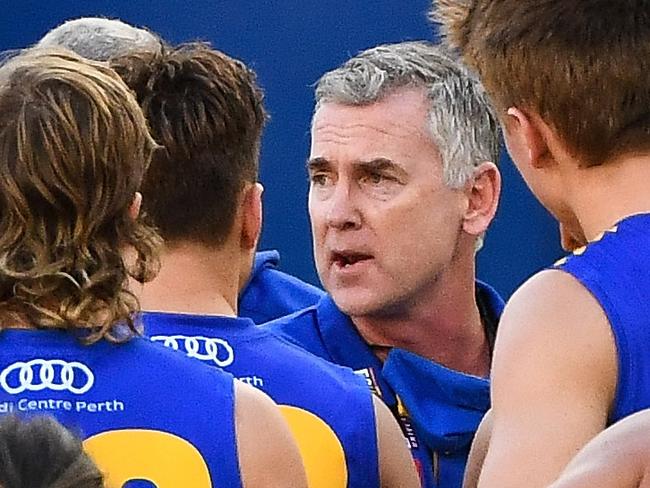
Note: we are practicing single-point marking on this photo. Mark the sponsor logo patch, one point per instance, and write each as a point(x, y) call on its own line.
point(47, 374)
point(210, 349)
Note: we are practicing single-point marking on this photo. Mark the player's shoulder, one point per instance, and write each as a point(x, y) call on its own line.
point(551, 296)
point(553, 334)
point(553, 309)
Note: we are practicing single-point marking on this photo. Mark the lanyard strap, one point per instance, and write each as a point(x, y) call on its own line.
point(403, 418)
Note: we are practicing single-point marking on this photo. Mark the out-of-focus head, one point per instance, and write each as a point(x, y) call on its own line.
point(98, 38)
point(402, 179)
point(41, 453)
point(567, 73)
point(207, 110)
point(74, 146)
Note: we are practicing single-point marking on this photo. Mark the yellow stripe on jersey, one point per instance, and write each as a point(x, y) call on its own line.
point(322, 453)
point(162, 458)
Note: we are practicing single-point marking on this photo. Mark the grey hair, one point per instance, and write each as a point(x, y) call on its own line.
point(98, 38)
point(463, 124)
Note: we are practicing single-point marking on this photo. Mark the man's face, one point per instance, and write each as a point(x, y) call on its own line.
point(384, 223)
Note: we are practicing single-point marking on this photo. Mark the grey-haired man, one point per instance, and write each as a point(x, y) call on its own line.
point(402, 189)
point(99, 38)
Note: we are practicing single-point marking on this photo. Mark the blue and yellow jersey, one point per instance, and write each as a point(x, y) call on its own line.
point(145, 413)
point(615, 268)
point(439, 409)
point(271, 293)
point(328, 408)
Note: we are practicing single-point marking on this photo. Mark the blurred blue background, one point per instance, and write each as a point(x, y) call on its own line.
point(290, 43)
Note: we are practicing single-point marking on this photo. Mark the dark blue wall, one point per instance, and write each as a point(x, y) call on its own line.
point(290, 43)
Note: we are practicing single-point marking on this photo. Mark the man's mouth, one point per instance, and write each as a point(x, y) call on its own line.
point(347, 259)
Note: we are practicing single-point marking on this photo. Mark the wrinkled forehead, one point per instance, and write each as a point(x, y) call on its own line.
point(398, 122)
point(350, 140)
point(407, 108)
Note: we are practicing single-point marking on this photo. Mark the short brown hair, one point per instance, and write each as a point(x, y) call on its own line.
point(582, 65)
point(74, 147)
point(206, 109)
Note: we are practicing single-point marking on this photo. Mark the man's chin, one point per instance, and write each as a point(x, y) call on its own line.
point(355, 304)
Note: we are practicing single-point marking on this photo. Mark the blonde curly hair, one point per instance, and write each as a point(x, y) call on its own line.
point(74, 147)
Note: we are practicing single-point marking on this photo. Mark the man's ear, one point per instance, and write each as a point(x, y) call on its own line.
point(251, 216)
point(136, 204)
point(483, 192)
point(525, 138)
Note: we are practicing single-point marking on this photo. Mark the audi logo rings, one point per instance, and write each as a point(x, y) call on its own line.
point(47, 374)
point(204, 348)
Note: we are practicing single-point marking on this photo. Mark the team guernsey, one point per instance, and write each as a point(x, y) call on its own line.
point(615, 268)
point(144, 412)
point(270, 293)
point(438, 409)
point(328, 408)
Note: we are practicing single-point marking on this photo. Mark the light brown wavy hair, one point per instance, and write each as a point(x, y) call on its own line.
point(74, 147)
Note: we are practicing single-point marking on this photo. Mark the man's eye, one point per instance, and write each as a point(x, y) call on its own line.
point(319, 179)
point(374, 178)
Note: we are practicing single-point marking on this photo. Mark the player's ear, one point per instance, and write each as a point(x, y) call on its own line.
point(524, 136)
point(136, 204)
point(251, 215)
point(482, 191)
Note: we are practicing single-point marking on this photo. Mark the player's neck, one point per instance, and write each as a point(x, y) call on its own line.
point(444, 326)
point(194, 279)
point(604, 195)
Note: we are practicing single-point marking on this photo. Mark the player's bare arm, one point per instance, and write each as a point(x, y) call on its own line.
point(396, 466)
point(553, 381)
point(268, 454)
point(618, 457)
point(478, 452)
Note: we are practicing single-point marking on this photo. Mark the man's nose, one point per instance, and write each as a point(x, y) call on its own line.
point(343, 212)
